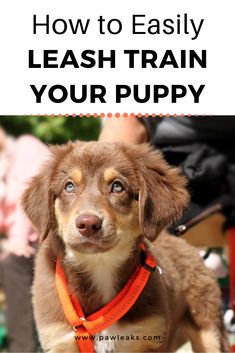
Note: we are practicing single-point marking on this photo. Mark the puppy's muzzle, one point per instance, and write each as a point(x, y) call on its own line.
point(88, 225)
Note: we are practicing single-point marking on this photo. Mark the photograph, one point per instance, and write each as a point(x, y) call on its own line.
point(117, 233)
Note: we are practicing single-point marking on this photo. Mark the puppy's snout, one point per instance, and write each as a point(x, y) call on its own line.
point(88, 224)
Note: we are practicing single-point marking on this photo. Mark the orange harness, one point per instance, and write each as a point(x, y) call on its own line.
point(85, 327)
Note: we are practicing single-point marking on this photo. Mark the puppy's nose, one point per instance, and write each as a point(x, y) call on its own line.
point(88, 224)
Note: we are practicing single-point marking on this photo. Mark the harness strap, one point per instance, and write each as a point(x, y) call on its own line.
point(110, 313)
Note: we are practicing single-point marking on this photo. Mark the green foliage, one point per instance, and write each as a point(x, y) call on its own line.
point(56, 129)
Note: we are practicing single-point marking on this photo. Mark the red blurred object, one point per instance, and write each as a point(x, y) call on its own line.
point(231, 244)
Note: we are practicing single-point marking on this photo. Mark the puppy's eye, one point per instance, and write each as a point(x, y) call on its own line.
point(69, 187)
point(117, 187)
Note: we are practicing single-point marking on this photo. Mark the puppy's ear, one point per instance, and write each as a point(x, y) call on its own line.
point(38, 199)
point(37, 202)
point(163, 194)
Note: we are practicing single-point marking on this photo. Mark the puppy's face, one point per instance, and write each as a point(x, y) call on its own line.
point(96, 194)
point(100, 195)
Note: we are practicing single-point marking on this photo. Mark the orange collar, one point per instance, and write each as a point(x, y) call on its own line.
point(86, 327)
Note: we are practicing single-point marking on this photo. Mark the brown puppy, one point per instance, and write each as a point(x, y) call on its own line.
point(92, 204)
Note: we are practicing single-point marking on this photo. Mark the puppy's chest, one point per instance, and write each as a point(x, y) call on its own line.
point(105, 341)
point(104, 281)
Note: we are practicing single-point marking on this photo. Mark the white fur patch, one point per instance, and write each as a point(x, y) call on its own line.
point(102, 267)
point(210, 341)
point(103, 345)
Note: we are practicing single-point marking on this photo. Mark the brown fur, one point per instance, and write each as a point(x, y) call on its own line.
point(182, 303)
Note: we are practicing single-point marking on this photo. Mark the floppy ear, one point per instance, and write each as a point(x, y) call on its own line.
point(37, 202)
point(38, 198)
point(163, 195)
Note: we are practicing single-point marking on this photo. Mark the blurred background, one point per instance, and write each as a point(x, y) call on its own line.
point(58, 129)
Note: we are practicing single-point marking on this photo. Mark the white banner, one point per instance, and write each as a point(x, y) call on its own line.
point(79, 57)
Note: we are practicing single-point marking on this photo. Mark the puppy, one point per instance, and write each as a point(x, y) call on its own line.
point(93, 204)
